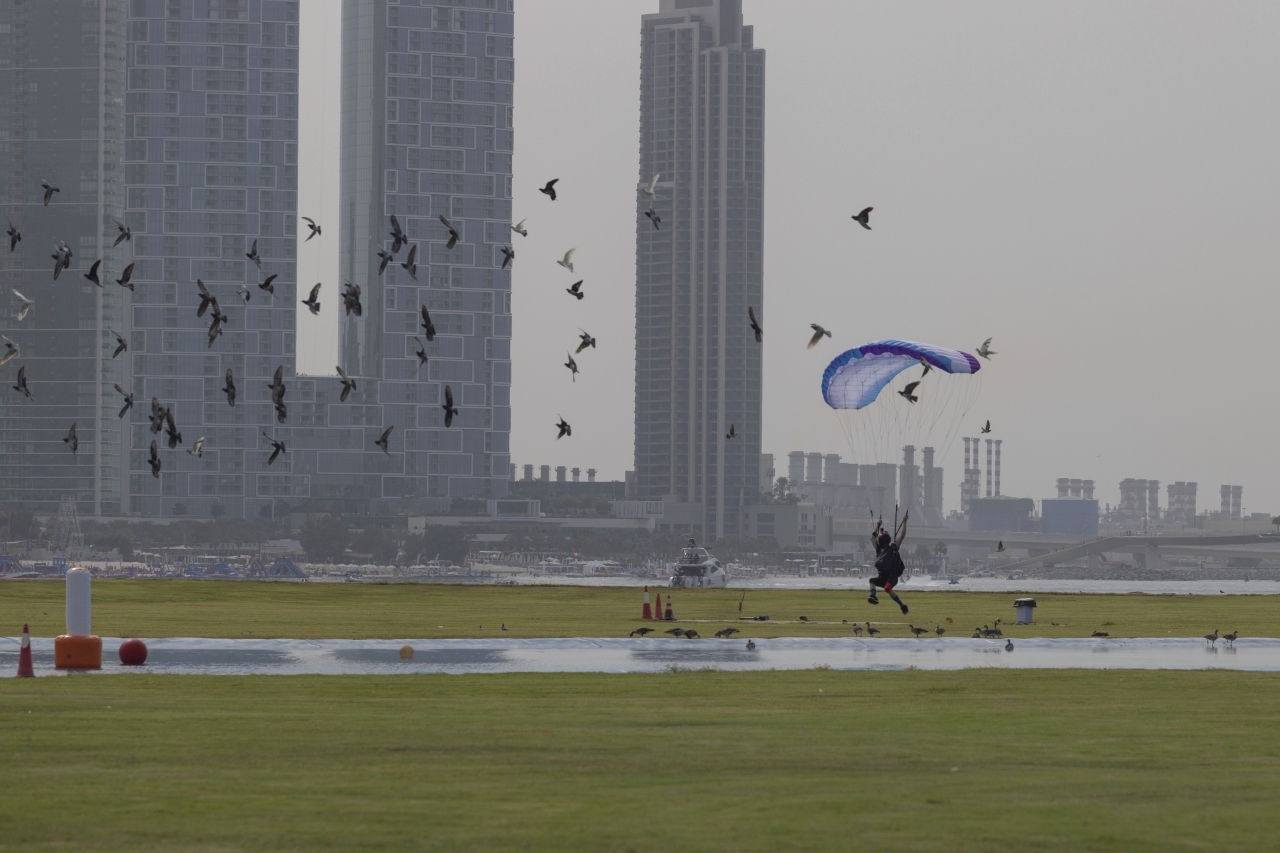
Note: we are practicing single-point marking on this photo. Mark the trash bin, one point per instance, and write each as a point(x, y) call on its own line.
point(1026, 610)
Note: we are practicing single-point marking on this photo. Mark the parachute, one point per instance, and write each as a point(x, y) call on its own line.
point(878, 425)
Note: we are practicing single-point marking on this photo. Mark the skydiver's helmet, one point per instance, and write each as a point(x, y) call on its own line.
point(885, 539)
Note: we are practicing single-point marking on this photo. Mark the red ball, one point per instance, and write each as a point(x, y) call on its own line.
point(133, 652)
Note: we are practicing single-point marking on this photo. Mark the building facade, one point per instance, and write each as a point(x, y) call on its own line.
point(698, 366)
point(62, 67)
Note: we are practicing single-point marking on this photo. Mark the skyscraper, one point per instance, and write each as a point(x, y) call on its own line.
point(698, 366)
point(61, 89)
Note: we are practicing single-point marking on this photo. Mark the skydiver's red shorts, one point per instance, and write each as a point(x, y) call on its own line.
point(888, 583)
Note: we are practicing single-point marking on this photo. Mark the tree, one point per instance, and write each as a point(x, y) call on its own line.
point(324, 539)
point(940, 548)
point(784, 492)
point(378, 542)
point(438, 540)
point(22, 523)
point(179, 509)
point(218, 510)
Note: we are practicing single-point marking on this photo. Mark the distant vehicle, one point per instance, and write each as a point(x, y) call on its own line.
point(698, 568)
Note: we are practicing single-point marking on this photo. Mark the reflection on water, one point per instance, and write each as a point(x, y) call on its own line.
point(435, 657)
point(212, 657)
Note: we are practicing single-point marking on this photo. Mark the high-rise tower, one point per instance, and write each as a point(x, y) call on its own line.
point(698, 366)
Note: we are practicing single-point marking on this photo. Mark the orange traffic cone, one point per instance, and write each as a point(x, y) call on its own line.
point(657, 606)
point(670, 615)
point(647, 611)
point(25, 670)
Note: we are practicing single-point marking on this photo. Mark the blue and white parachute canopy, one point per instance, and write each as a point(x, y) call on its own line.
point(855, 378)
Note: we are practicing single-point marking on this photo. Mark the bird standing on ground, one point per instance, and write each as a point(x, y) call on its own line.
point(572, 365)
point(277, 447)
point(11, 350)
point(520, 229)
point(726, 633)
point(252, 254)
point(508, 255)
point(755, 325)
point(269, 284)
point(1008, 645)
point(919, 632)
point(154, 461)
point(857, 629)
point(348, 384)
point(939, 630)
point(675, 632)
point(575, 290)
point(384, 439)
point(818, 334)
point(197, 449)
point(27, 305)
point(230, 389)
point(410, 263)
point(567, 260)
point(654, 218)
point(449, 409)
point(49, 190)
point(641, 632)
point(15, 236)
point(986, 428)
point(751, 645)
point(121, 344)
point(1101, 634)
point(908, 394)
point(550, 188)
point(587, 341)
point(126, 278)
point(985, 350)
point(128, 401)
point(564, 428)
point(313, 301)
point(690, 634)
point(315, 229)
point(71, 440)
point(428, 327)
point(454, 234)
point(21, 387)
point(864, 218)
point(872, 630)
point(125, 234)
point(1212, 638)
point(1231, 638)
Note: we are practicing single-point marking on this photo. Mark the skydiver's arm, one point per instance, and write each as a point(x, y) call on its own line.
point(903, 533)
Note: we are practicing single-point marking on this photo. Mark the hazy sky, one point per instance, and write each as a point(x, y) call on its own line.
point(1092, 183)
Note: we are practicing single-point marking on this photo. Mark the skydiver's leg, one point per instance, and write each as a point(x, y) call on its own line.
point(875, 582)
point(888, 587)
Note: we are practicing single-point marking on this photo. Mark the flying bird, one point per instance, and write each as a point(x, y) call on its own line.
point(986, 429)
point(550, 188)
point(230, 389)
point(92, 274)
point(268, 285)
point(508, 255)
point(21, 387)
point(351, 299)
point(277, 447)
point(564, 428)
point(654, 218)
point(154, 462)
point(49, 190)
point(171, 429)
point(454, 234)
point(197, 449)
point(243, 293)
point(277, 385)
point(907, 393)
point(732, 432)
point(27, 305)
point(818, 334)
point(567, 262)
point(157, 415)
point(382, 442)
point(652, 189)
point(252, 254)
point(125, 234)
point(864, 218)
point(575, 290)
point(587, 341)
point(386, 257)
point(128, 401)
point(755, 325)
point(572, 365)
point(315, 229)
point(520, 229)
point(215, 329)
point(410, 263)
point(348, 384)
point(449, 409)
point(126, 278)
point(15, 236)
point(421, 353)
point(11, 350)
point(428, 328)
point(398, 237)
point(985, 351)
point(313, 301)
point(926, 365)
point(206, 299)
point(61, 259)
point(121, 344)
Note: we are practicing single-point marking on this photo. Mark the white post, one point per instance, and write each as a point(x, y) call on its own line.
point(78, 608)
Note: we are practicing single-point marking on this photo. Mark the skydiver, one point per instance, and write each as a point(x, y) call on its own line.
point(889, 565)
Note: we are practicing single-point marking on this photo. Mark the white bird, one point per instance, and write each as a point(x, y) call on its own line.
point(26, 306)
point(197, 449)
point(985, 351)
point(520, 229)
point(567, 263)
point(11, 350)
point(651, 189)
point(243, 292)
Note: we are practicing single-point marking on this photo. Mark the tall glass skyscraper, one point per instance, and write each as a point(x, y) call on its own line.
point(698, 366)
point(61, 120)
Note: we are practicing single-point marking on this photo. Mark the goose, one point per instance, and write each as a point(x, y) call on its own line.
point(1212, 638)
point(918, 631)
point(872, 630)
point(641, 632)
point(751, 645)
point(1231, 638)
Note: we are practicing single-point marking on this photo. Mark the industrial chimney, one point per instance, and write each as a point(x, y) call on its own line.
point(998, 443)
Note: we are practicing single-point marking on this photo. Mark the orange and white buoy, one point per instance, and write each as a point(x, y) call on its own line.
point(25, 669)
point(647, 611)
point(78, 648)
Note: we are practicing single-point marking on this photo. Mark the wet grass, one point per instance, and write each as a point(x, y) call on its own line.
point(761, 761)
point(183, 608)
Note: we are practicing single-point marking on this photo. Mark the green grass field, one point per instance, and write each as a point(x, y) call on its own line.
point(124, 608)
point(690, 761)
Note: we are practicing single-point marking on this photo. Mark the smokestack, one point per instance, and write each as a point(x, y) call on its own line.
point(544, 473)
point(1153, 500)
point(591, 475)
point(513, 472)
point(1086, 489)
point(1189, 498)
point(1225, 492)
point(964, 483)
point(909, 455)
point(1140, 495)
point(1237, 495)
point(1063, 487)
point(560, 470)
point(1074, 485)
point(795, 467)
point(831, 468)
point(928, 458)
point(989, 442)
point(577, 474)
point(528, 473)
point(813, 468)
point(998, 442)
